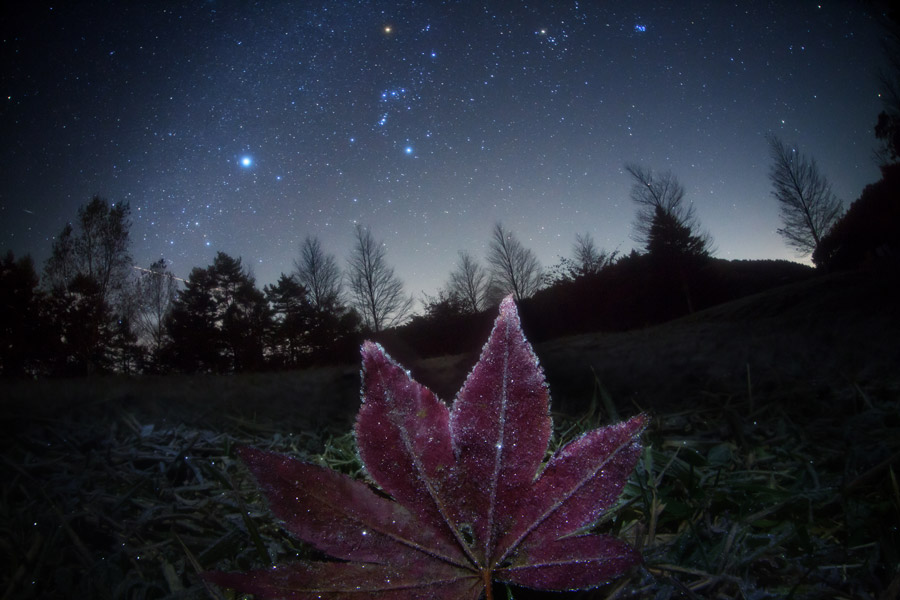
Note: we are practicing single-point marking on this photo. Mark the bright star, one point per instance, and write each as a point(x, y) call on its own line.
point(408, 149)
point(246, 161)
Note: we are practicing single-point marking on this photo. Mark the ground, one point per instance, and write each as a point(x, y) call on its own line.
point(770, 468)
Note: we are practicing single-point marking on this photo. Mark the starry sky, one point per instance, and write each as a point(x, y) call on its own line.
point(243, 127)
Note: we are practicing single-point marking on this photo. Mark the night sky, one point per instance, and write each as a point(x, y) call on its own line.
point(242, 127)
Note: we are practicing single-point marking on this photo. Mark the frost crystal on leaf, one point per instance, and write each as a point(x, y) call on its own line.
point(466, 507)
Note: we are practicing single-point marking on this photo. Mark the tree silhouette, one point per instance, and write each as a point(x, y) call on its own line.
point(24, 340)
point(98, 248)
point(587, 261)
point(675, 254)
point(377, 293)
point(87, 271)
point(668, 228)
point(194, 326)
point(246, 320)
point(887, 128)
point(870, 229)
point(514, 268)
point(468, 284)
point(61, 268)
point(319, 274)
point(154, 293)
point(220, 321)
point(85, 326)
point(660, 193)
point(806, 203)
point(293, 318)
point(441, 309)
point(331, 324)
point(670, 239)
point(332, 336)
point(127, 355)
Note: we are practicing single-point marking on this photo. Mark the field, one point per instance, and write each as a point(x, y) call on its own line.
point(770, 469)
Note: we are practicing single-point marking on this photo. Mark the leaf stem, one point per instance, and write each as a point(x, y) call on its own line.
point(486, 578)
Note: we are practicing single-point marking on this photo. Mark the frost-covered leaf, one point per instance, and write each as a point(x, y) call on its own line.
point(501, 427)
point(581, 481)
point(466, 504)
point(416, 580)
point(341, 516)
point(403, 436)
point(570, 563)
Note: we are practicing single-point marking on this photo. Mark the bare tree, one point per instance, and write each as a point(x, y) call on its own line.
point(514, 268)
point(61, 268)
point(319, 274)
point(807, 205)
point(468, 283)
point(155, 291)
point(377, 293)
point(587, 257)
point(97, 249)
point(87, 274)
point(660, 193)
point(587, 260)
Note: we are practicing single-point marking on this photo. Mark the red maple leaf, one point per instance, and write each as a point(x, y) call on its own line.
point(471, 500)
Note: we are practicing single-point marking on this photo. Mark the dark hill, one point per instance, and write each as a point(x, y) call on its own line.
point(630, 294)
point(130, 487)
point(835, 335)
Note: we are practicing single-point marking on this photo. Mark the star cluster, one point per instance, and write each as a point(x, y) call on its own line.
point(239, 128)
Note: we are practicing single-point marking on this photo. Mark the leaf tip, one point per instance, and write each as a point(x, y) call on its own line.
point(374, 359)
point(638, 423)
point(370, 350)
point(507, 304)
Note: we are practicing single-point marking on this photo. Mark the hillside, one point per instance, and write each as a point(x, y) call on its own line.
point(837, 333)
point(769, 488)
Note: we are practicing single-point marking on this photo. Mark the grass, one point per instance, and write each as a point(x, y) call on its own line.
point(99, 504)
point(771, 467)
point(727, 501)
point(763, 508)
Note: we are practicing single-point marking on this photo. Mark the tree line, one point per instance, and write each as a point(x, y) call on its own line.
point(93, 311)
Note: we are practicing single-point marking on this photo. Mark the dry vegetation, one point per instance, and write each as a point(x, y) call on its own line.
point(770, 470)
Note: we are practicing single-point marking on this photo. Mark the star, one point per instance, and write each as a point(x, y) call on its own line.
point(429, 104)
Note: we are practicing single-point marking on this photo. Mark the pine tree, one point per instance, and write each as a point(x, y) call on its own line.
point(220, 321)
